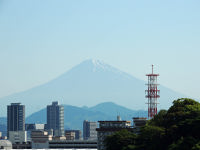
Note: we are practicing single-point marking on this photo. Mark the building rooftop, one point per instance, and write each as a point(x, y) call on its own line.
point(139, 118)
point(55, 103)
point(15, 103)
point(116, 121)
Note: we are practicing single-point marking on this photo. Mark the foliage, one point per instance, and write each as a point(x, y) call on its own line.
point(174, 129)
point(158, 120)
point(196, 146)
point(151, 137)
point(122, 140)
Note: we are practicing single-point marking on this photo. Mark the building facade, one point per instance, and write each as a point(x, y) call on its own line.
point(77, 144)
point(138, 122)
point(70, 135)
point(5, 144)
point(108, 128)
point(17, 136)
point(55, 118)
point(32, 127)
point(15, 117)
point(78, 135)
point(40, 139)
point(89, 130)
point(24, 145)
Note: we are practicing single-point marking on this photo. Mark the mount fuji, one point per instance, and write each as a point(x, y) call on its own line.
point(88, 84)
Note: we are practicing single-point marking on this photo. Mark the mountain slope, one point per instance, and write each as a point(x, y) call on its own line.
point(89, 83)
point(112, 109)
point(3, 126)
point(73, 116)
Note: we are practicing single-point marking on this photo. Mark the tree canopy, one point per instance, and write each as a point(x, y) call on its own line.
point(173, 129)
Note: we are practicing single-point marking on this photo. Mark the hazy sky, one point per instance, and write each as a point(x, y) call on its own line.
point(41, 39)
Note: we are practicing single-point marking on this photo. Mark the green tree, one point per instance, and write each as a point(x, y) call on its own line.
point(196, 146)
point(151, 137)
point(174, 129)
point(182, 119)
point(158, 120)
point(120, 140)
point(183, 144)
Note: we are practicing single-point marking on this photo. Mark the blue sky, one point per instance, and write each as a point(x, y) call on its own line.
point(41, 39)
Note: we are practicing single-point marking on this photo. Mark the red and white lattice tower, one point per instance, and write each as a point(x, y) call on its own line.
point(152, 94)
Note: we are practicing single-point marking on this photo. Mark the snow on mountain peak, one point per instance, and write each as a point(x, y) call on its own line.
point(100, 65)
point(97, 62)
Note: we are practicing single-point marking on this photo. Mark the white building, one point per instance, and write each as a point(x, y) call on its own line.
point(5, 144)
point(18, 136)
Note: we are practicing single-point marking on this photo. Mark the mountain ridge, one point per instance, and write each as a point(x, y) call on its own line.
point(89, 83)
point(74, 116)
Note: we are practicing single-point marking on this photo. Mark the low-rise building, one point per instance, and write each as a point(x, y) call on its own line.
point(4, 138)
point(70, 135)
point(32, 127)
point(108, 128)
point(24, 145)
point(17, 136)
point(77, 144)
point(5, 144)
point(78, 135)
point(59, 138)
point(137, 123)
point(40, 139)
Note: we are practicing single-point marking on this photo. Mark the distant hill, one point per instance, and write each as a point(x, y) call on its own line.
point(89, 83)
point(74, 116)
point(3, 125)
point(3, 120)
point(112, 109)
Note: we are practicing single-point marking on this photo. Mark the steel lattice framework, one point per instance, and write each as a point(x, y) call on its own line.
point(152, 93)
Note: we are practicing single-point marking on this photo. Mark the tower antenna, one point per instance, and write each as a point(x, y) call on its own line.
point(152, 93)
